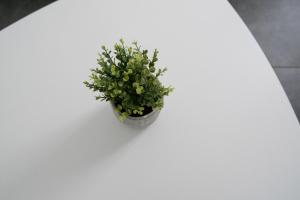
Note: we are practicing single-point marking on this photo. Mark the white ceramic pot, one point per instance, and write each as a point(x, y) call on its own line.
point(138, 122)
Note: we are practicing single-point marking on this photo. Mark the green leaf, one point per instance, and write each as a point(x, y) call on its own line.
point(123, 116)
point(118, 74)
point(135, 84)
point(126, 77)
point(129, 71)
point(120, 83)
point(113, 70)
point(139, 90)
point(141, 108)
point(110, 87)
point(116, 91)
point(119, 107)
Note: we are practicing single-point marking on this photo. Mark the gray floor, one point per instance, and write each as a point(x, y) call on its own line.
point(13, 10)
point(274, 23)
point(276, 26)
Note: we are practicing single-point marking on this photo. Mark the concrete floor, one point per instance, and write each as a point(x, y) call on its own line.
point(13, 10)
point(274, 23)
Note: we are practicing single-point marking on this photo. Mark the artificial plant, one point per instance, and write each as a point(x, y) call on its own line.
point(128, 78)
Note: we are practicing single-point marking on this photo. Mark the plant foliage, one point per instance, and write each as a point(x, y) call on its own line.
point(129, 79)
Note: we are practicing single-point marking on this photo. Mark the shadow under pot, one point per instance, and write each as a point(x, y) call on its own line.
point(138, 121)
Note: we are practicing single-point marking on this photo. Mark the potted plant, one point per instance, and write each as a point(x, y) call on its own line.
point(128, 78)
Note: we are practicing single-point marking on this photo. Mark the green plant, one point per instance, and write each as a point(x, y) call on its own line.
point(129, 79)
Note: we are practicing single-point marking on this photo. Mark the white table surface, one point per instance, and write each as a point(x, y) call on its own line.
point(227, 131)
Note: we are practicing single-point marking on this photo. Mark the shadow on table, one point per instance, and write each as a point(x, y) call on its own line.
point(89, 142)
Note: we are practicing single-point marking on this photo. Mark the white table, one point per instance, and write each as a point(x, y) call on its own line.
point(227, 132)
